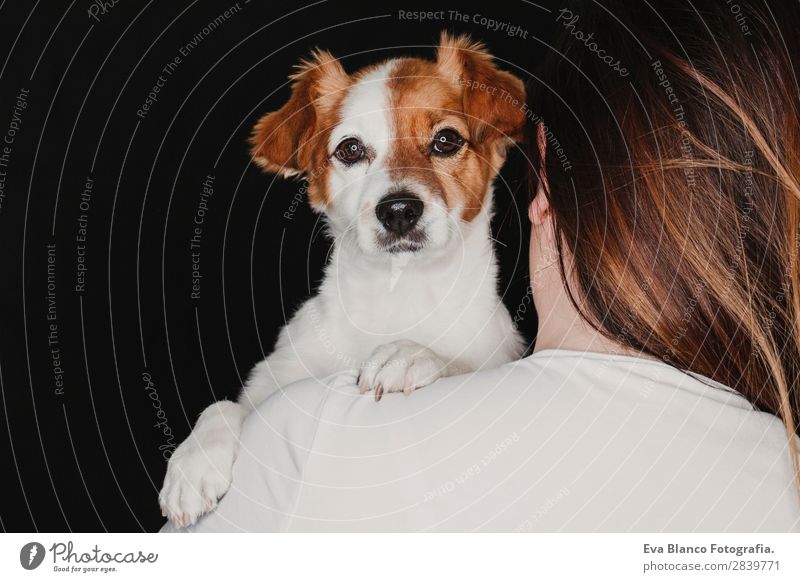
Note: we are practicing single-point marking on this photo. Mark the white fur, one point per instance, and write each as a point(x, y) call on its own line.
point(356, 189)
point(403, 319)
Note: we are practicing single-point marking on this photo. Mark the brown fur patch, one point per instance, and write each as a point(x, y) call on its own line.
point(487, 112)
point(293, 139)
point(492, 99)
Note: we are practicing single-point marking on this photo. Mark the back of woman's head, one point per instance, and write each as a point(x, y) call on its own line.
point(673, 164)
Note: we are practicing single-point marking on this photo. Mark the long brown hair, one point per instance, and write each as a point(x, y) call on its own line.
point(673, 165)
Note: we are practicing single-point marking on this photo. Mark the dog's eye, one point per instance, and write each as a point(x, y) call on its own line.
point(446, 142)
point(350, 150)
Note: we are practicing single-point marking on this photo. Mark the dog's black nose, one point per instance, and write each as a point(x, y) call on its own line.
point(399, 212)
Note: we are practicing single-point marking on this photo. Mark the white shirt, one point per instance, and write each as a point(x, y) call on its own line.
point(558, 441)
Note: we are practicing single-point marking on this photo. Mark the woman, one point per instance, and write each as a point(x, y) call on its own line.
point(662, 394)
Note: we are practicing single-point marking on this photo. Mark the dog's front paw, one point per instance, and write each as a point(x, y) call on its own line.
point(400, 366)
point(197, 476)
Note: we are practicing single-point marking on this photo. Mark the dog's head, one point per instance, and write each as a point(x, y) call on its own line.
point(399, 156)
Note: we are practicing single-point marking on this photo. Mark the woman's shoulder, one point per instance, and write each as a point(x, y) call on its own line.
point(598, 442)
point(555, 441)
point(556, 381)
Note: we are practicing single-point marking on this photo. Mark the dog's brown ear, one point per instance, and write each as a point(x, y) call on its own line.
point(493, 100)
point(281, 141)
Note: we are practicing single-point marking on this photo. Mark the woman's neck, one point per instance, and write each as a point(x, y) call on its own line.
point(562, 327)
point(560, 324)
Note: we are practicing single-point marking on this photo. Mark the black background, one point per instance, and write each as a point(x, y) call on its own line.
point(92, 458)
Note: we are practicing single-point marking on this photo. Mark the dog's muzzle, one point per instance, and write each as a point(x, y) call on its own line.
point(399, 213)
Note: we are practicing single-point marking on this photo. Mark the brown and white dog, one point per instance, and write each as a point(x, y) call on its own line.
point(400, 158)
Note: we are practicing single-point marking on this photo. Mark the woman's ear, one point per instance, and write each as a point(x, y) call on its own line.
point(539, 208)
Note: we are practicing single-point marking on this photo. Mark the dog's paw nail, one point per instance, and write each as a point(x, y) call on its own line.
point(378, 393)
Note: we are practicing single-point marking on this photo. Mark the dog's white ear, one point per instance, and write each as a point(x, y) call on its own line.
point(493, 100)
point(281, 141)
